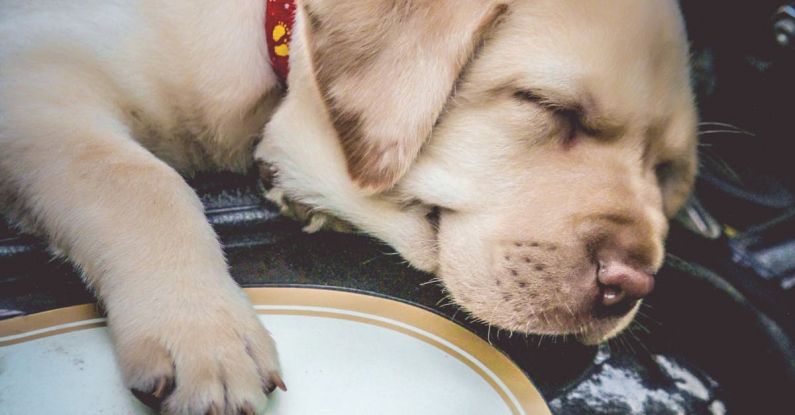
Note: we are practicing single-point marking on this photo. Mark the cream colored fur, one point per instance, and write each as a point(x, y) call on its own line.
point(104, 103)
point(520, 199)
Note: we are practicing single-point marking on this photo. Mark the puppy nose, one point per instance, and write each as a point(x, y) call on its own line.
point(621, 286)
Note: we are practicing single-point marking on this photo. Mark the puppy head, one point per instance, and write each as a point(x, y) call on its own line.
point(560, 135)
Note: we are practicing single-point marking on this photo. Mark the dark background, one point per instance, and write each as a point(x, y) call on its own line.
point(721, 317)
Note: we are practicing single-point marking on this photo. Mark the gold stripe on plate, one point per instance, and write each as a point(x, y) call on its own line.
point(46, 319)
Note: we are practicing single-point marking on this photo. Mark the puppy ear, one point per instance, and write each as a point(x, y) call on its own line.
point(386, 68)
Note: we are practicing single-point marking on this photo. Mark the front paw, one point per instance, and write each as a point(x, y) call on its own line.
point(313, 220)
point(200, 358)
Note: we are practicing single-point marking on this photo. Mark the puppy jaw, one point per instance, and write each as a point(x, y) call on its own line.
point(512, 236)
point(533, 275)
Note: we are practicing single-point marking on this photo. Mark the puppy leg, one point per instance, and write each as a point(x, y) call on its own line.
point(137, 231)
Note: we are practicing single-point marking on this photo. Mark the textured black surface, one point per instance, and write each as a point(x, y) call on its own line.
point(769, 250)
point(698, 347)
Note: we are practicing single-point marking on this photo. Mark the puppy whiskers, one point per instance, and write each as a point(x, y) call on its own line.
point(434, 280)
point(638, 340)
point(565, 304)
point(709, 132)
point(723, 125)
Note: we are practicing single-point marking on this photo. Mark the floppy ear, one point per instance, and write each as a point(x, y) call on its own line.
point(385, 69)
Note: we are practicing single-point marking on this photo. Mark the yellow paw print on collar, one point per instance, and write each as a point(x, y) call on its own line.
point(279, 31)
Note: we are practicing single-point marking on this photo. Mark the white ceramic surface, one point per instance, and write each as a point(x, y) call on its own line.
point(336, 359)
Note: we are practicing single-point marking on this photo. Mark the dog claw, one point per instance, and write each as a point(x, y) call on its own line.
point(247, 410)
point(316, 223)
point(154, 398)
point(276, 196)
point(161, 388)
point(313, 220)
point(275, 382)
point(213, 410)
point(267, 173)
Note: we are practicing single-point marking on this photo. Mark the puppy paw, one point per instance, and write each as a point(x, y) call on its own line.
point(313, 220)
point(206, 360)
point(414, 236)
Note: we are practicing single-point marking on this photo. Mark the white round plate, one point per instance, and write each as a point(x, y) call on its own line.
point(341, 353)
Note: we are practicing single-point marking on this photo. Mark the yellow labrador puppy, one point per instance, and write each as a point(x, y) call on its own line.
point(548, 138)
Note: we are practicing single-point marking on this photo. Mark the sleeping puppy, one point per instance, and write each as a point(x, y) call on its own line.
point(549, 138)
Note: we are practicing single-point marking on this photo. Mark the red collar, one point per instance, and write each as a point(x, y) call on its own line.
point(279, 19)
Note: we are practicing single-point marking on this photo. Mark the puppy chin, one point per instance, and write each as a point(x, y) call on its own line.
point(608, 330)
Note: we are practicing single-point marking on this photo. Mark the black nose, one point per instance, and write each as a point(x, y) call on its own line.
point(620, 287)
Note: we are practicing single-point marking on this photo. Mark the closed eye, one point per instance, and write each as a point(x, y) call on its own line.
point(570, 116)
point(578, 114)
point(664, 170)
point(668, 173)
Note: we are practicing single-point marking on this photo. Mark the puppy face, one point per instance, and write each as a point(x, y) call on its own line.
point(555, 137)
point(569, 140)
